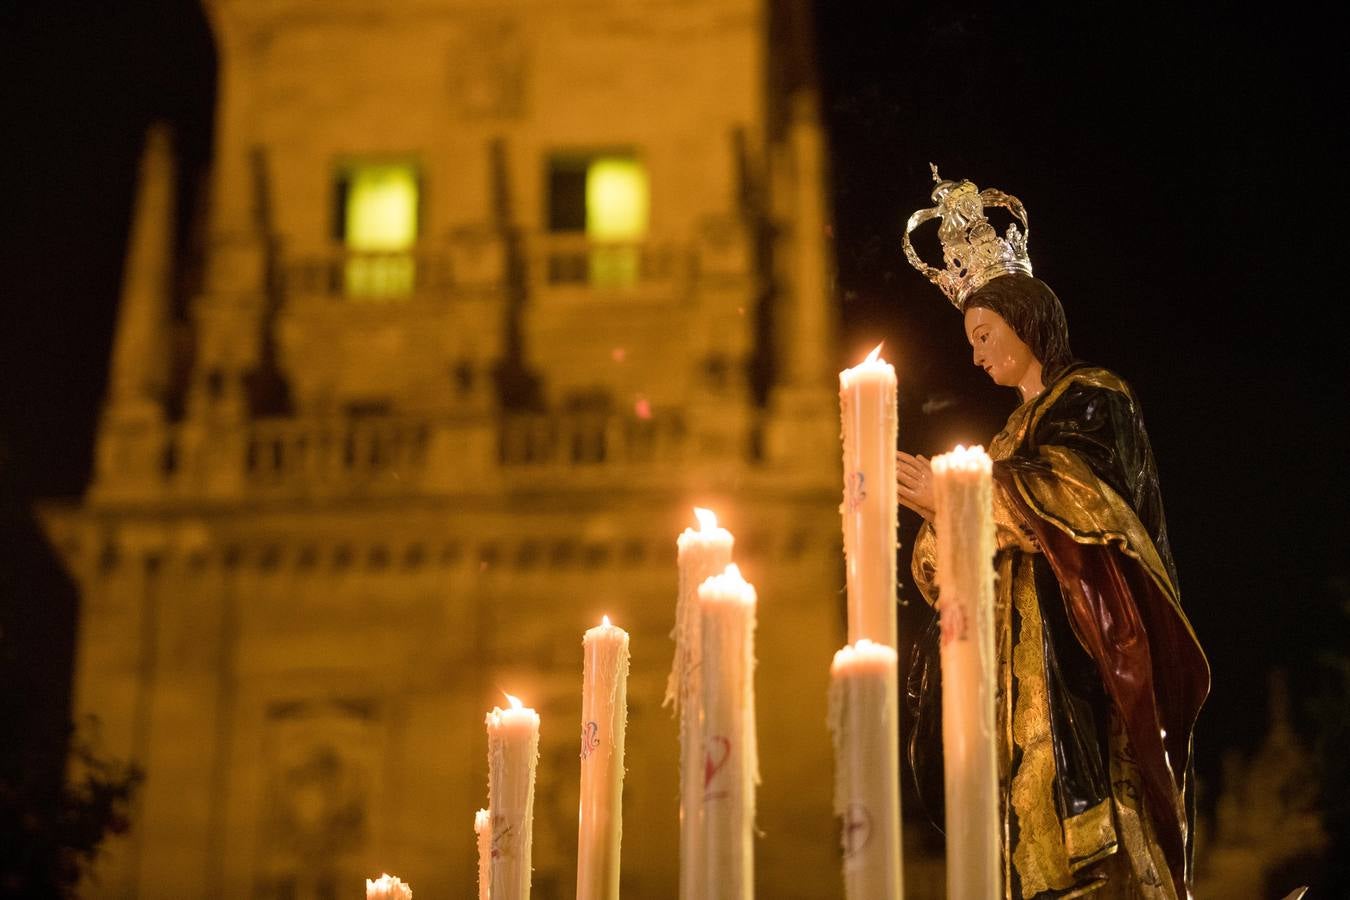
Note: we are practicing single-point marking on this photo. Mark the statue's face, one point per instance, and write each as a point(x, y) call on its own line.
point(997, 348)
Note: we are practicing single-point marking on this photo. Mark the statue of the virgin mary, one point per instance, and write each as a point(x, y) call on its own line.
point(1100, 675)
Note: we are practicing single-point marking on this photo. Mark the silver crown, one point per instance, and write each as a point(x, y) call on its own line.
point(974, 253)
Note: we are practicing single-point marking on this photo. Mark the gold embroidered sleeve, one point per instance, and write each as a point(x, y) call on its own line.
point(923, 563)
point(1008, 527)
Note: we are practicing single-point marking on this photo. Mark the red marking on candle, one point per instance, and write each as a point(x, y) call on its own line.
point(713, 762)
point(617, 354)
point(954, 622)
point(856, 827)
point(642, 408)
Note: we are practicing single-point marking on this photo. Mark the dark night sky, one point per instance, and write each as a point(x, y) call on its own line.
point(1179, 178)
point(1174, 170)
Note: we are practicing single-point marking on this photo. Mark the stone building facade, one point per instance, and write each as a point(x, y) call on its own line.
point(493, 293)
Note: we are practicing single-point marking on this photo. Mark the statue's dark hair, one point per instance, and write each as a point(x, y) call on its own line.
point(1034, 314)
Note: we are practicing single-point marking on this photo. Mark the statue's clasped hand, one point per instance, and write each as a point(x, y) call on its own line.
point(914, 483)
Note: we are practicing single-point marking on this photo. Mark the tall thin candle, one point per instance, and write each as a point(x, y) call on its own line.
point(867, 408)
point(864, 721)
point(604, 717)
point(963, 497)
point(731, 755)
point(513, 753)
point(702, 553)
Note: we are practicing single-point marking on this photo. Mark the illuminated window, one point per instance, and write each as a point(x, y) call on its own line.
point(377, 224)
point(616, 199)
point(606, 198)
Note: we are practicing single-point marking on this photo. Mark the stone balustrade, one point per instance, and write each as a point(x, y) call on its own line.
point(342, 455)
point(387, 455)
point(473, 259)
point(340, 275)
point(590, 439)
point(573, 261)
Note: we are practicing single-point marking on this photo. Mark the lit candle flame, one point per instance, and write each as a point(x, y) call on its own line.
point(605, 620)
point(962, 459)
point(389, 887)
point(875, 354)
point(728, 585)
point(707, 519)
point(515, 701)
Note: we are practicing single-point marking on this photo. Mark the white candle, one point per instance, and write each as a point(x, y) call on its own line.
point(731, 758)
point(702, 554)
point(387, 887)
point(482, 829)
point(963, 497)
point(604, 716)
point(513, 753)
point(868, 411)
point(864, 721)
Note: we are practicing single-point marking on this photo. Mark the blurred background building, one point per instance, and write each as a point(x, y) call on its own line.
point(488, 297)
point(1267, 833)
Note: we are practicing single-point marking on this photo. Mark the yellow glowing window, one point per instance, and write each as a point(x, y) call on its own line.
point(616, 210)
point(606, 197)
point(616, 199)
point(379, 227)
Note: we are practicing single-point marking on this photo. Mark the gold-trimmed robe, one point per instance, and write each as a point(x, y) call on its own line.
point(1101, 676)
